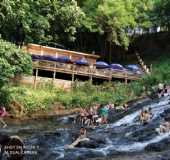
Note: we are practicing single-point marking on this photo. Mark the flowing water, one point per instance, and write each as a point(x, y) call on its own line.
point(124, 138)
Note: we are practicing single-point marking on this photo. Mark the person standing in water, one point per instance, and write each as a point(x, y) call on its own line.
point(3, 113)
point(104, 112)
point(164, 127)
point(145, 116)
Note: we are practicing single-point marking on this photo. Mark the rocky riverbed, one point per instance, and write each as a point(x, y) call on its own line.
point(124, 138)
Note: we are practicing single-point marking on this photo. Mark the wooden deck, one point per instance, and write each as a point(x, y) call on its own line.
point(71, 68)
point(87, 71)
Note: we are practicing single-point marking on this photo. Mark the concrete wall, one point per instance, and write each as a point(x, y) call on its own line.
point(64, 84)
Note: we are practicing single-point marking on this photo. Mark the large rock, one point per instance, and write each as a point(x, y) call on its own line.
point(91, 144)
point(160, 146)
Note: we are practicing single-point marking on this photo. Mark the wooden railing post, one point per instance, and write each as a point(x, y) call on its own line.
point(54, 73)
point(110, 76)
point(90, 70)
point(72, 76)
point(126, 80)
point(35, 78)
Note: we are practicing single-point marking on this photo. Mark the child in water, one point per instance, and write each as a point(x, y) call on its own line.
point(3, 113)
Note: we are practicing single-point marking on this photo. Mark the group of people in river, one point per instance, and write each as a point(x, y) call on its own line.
point(96, 115)
point(163, 90)
point(146, 116)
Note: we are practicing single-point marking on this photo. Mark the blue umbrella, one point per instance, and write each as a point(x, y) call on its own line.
point(49, 58)
point(63, 59)
point(133, 67)
point(82, 61)
point(101, 64)
point(117, 67)
point(36, 57)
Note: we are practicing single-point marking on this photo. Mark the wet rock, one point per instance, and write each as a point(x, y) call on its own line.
point(166, 114)
point(144, 133)
point(82, 155)
point(160, 146)
point(91, 144)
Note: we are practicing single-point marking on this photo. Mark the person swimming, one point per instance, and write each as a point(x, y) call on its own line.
point(82, 137)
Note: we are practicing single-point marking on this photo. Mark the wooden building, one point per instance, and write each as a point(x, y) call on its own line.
point(71, 68)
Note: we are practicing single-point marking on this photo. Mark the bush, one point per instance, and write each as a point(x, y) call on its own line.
point(13, 61)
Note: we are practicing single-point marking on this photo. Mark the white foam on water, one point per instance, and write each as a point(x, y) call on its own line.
point(157, 108)
point(137, 146)
point(59, 150)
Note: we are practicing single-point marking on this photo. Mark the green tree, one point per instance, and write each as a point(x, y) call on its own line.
point(67, 16)
point(114, 18)
point(39, 21)
point(13, 61)
point(24, 20)
point(161, 14)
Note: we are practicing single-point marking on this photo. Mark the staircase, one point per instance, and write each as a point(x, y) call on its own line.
point(143, 65)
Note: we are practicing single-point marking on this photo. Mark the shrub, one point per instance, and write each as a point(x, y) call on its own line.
point(13, 61)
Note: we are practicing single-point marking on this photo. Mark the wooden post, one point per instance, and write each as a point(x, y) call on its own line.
point(126, 80)
point(35, 78)
point(54, 73)
point(91, 74)
point(110, 76)
point(72, 77)
point(91, 78)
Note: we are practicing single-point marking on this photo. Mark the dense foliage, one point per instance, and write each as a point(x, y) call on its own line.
point(58, 21)
point(161, 14)
point(13, 61)
point(46, 97)
point(39, 21)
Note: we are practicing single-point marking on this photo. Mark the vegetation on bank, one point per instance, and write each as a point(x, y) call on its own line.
point(92, 26)
point(13, 62)
point(46, 96)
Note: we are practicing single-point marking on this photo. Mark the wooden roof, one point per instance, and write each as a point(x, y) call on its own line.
point(66, 51)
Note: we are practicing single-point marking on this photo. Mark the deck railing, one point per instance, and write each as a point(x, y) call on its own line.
point(81, 70)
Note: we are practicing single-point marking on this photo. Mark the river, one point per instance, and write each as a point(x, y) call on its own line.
point(123, 138)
